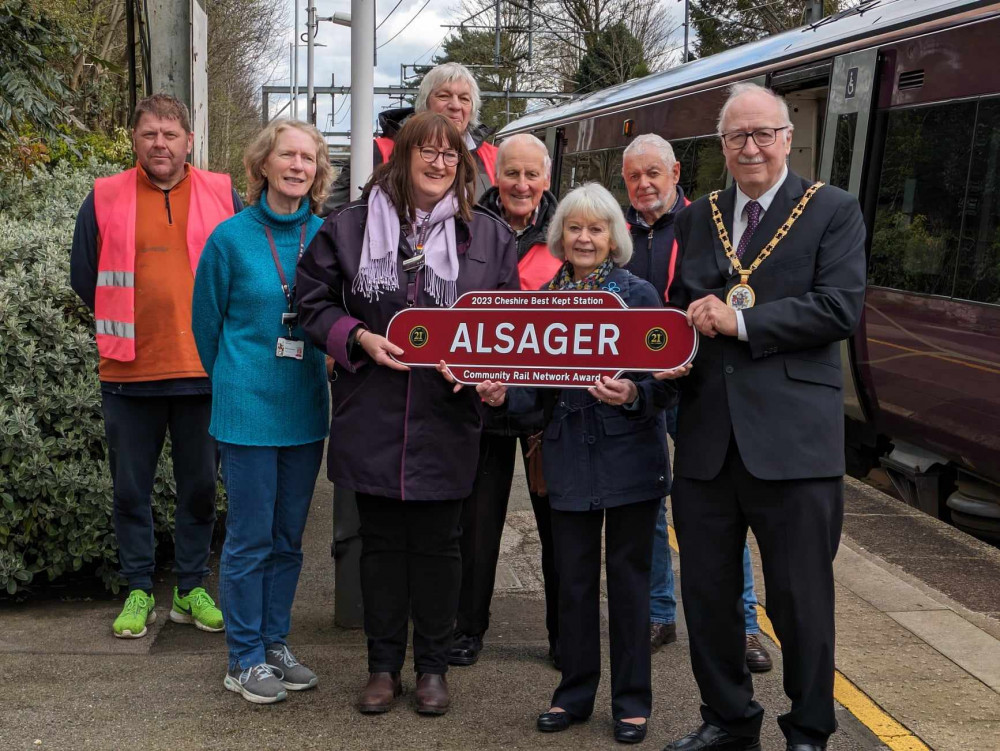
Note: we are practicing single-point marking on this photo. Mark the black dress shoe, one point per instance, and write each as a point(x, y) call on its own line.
point(717, 739)
point(805, 747)
point(555, 722)
point(758, 658)
point(629, 732)
point(465, 649)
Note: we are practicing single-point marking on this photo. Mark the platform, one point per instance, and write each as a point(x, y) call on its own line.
point(918, 660)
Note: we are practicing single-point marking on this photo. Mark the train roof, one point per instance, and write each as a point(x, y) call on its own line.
point(870, 18)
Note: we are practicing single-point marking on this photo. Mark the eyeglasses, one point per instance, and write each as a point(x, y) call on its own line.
point(762, 137)
point(429, 154)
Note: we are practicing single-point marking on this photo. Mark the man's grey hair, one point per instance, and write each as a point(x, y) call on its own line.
point(739, 89)
point(592, 200)
point(446, 73)
point(529, 140)
point(650, 143)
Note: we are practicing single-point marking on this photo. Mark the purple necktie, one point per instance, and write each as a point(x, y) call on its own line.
point(753, 210)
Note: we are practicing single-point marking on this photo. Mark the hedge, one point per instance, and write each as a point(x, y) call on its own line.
point(55, 486)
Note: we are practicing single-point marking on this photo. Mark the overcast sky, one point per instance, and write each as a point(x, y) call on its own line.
point(417, 43)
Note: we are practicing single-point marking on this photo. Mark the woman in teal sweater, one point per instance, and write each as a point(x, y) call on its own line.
point(269, 401)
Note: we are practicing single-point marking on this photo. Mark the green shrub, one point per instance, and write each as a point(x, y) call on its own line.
point(55, 486)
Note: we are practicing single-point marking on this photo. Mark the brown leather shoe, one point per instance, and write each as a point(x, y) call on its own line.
point(432, 694)
point(758, 658)
point(381, 691)
point(661, 634)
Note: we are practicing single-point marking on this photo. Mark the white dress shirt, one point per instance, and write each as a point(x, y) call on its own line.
point(740, 226)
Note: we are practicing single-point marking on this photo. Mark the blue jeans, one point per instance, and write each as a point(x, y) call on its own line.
point(269, 488)
point(663, 603)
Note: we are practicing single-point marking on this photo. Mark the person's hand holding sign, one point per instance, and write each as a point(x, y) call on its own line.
point(614, 391)
point(491, 392)
point(379, 349)
point(670, 375)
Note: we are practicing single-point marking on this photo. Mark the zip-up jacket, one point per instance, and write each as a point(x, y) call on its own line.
point(654, 249)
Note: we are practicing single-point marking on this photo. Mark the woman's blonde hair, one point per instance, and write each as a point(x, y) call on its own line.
point(261, 147)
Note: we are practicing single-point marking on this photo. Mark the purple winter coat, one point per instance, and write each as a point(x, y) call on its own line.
point(396, 434)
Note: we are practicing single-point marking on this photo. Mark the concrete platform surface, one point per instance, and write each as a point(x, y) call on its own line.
point(68, 684)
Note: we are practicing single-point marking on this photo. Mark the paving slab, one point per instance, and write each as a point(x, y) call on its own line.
point(973, 649)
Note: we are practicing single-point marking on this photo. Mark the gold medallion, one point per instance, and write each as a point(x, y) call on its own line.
point(740, 297)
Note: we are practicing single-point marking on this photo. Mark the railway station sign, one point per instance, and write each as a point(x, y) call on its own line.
point(559, 338)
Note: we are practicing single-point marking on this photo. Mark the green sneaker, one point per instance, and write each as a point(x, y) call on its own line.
point(197, 608)
point(135, 616)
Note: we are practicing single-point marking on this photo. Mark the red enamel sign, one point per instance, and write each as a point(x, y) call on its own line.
point(561, 338)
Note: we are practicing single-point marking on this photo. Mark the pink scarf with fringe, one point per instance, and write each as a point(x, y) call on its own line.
point(380, 249)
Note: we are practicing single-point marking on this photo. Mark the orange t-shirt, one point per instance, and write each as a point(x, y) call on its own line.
point(164, 283)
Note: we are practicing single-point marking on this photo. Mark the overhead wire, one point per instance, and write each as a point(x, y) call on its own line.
point(390, 14)
point(406, 26)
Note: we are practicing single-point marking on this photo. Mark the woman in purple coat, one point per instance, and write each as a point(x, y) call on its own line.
point(406, 441)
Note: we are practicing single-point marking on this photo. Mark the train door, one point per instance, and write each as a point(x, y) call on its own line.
point(842, 162)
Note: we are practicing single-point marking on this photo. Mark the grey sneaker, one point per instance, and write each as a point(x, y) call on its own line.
point(293, 675)
point(257, 684)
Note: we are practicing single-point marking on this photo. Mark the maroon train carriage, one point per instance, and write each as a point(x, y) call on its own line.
point(898, 102)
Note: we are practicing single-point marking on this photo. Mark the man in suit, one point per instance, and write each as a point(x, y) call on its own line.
point(761, 427)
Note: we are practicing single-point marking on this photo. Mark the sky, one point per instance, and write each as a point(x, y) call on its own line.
point(418, 42)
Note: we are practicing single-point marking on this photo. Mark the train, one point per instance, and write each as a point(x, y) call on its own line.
point(897, 102)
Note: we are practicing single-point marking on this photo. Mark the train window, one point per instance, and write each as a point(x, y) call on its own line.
point(604, 167)
point(843, 149)
point(703, 167)
point(979, 258)
point(918, 216)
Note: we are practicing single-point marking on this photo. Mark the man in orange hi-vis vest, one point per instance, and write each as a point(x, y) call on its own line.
point(138, 238)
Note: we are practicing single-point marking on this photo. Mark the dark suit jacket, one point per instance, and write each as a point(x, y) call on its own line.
point(780, 393)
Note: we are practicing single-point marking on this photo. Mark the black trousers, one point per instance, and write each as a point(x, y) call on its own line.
point(136, 427)
point(410, 568)
point(483, 516)
point(628, 532)
point(797, 524)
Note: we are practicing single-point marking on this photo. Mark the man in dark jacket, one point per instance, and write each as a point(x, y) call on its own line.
point(651, 173)
point(449, 89)
point(772, 274)
point(521, 200)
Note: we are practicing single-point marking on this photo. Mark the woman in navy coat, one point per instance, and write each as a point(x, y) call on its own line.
point(604, 457)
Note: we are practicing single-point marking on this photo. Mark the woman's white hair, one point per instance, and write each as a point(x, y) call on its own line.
point(593, 201)
point(650, 143)
point(446, 73)
point(739, 89)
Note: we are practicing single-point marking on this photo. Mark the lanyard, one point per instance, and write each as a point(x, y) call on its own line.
point(277, 262)
point(413, 265)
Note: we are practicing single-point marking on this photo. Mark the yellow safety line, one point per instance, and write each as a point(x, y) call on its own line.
point(889, 731)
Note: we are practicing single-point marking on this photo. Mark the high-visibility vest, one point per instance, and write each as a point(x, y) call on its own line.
point(537, 267)
point(211, 202)
point(487, 154)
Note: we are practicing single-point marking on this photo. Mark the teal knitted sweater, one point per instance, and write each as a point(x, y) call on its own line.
point(258, 399)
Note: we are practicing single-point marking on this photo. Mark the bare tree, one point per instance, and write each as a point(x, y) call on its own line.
point(245, 43)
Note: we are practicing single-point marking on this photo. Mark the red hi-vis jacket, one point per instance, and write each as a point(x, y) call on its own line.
point(115, 208)
point(487, 155)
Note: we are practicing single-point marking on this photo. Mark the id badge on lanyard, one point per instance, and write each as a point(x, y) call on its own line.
point(289, 346)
